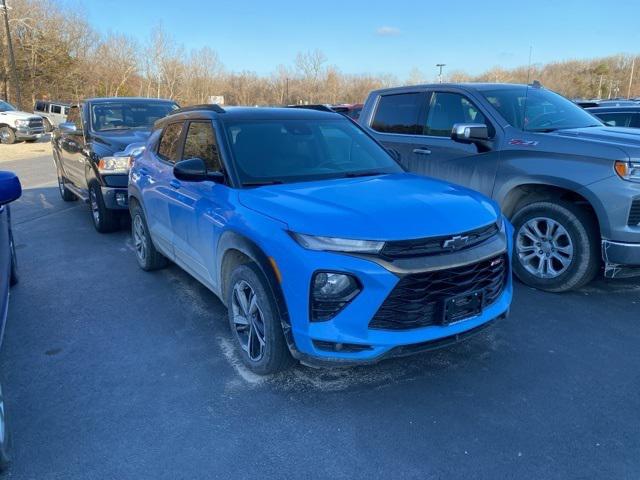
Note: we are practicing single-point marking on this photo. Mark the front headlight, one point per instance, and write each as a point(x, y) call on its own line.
point(21, 123)
point(332, 244)
point(628, 170)
point(112, 165)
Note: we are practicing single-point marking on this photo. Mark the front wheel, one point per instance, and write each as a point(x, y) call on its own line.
point(255, 322)
point(65, 193)
point(146, 254)
point(7, 135)
point(555, 246)
point(104, 219)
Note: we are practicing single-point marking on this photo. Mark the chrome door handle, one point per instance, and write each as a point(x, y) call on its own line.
point(175, 184)
point(422, 151)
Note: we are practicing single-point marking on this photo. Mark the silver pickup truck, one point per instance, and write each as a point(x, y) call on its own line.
point(569, 184)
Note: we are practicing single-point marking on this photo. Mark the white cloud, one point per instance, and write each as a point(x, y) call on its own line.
point(386, 31)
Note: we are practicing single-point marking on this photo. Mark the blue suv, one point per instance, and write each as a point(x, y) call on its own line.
point(318, 242)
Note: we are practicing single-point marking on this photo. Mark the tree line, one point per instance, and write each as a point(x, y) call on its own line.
point(59, 56)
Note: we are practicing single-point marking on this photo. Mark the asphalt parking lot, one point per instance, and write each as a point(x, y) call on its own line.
point(111, 372)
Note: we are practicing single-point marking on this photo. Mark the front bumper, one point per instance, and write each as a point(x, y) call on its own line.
point(115, 198)
point(621, 260)
point(350, 327)
point(29, 133)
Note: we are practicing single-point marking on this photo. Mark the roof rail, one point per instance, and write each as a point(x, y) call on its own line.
point(212, 107)
point(319, 107)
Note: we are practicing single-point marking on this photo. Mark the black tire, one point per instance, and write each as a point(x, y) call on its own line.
point(30, 140)
point(581, 233)
point(65, 193)
point(275, 356)
point(47, 125)
point(5, 435)
point(104, 219)
point(13, 276)
point(7, 135)
point(146, 254)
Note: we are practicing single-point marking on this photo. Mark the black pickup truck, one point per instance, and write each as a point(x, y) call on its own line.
point(93, 148)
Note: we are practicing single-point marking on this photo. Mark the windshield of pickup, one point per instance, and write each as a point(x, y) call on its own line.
point(538, 110)
point(107, 116)
point(296, 150)
point(6, 107)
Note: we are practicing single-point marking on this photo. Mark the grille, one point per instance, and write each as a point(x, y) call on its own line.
point(634, 214)
point(434, 245)
point(418, 300)
point(35, 122)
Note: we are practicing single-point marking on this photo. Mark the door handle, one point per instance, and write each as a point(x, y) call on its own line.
point(175, 184)
point(422, 151)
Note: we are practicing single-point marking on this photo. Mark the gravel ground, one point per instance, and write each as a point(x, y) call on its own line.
point(114, 373)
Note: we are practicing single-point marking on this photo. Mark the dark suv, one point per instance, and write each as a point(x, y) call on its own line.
point(569, 184)
point(93, 148)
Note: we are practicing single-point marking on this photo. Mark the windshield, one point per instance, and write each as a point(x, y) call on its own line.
point(283, 151)
point(538, 110)
point(6, 107)
point(127, 115)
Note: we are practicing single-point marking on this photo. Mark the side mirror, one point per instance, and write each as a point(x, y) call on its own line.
point(469, 132)
point(10, 188)
point(195, 170)
point(68, 127)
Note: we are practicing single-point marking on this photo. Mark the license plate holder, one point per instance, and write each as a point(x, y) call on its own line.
point(461, 307)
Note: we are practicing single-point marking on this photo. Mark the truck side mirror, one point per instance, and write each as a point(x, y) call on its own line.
point(68, 127)
point(469, 132)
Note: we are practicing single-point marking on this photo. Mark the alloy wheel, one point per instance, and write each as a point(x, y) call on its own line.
point(95, 209)
point(140, 238)
point(4, 135)
point(248, 320)
point(544, 247)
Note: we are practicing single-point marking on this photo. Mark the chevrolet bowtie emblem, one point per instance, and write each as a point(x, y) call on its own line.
point(456, 243)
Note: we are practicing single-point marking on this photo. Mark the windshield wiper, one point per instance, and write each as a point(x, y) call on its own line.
point(362, 174)
point(262, 184)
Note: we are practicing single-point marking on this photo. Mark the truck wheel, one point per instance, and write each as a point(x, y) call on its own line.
point(47, 125)
point(104, 219)
point(556, 246)
point(7, 135)
point(148, 257)
point(255, 322)
point(66, 194)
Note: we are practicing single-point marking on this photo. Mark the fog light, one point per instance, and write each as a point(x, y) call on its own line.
point(121, 199)
point(330, 293)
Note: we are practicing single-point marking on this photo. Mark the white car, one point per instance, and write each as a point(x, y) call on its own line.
point(17, 125)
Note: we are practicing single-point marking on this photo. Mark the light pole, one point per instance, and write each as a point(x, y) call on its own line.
point(440, 65)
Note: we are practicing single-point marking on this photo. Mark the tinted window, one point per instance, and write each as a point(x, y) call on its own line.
point(201, 143)
point(56, 109)
point(6, 107)
point(304, 150)
point(538, 110)
point(126, 115)
point(619, 119)
point(398, 113)
point(447, 109)
point(170, 142)
point(40, 107)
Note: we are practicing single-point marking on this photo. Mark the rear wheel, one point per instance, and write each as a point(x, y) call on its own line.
point(146, 254)
point(104, 219)
point(255, 322)
point(7, 135)
point(556, 245)
point(65, 193)
point(47, 125)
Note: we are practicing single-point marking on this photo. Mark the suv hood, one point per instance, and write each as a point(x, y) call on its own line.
point(387, 207)
point(117, 140)
point(600, 138)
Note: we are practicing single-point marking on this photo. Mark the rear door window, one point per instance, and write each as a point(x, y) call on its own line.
point(201, 143)
point(447, 109)
point(399, 113)
point(56, 109)
point(169, 147)
point(616, 119)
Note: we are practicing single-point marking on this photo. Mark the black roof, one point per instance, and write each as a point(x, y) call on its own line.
point(468, 86)
point(613, 108)
point(128, 99)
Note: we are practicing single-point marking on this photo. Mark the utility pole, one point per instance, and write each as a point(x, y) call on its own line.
point(440, 65)
point(14, 71)
point(633, 65)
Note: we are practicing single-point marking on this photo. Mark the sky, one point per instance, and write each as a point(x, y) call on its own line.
point(382, 36)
